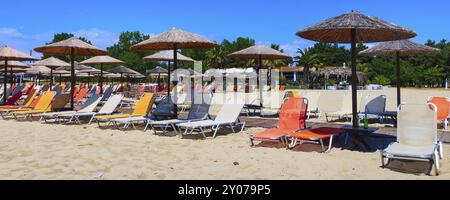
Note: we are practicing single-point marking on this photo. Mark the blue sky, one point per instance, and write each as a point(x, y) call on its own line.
point(27, 24)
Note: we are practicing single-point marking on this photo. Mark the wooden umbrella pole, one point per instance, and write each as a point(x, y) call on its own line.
point(72, 77)
point(168, 79)
point(101, 78)
point(5, 80)
point(51, 77)
point(175, 66)
point(259, 79)
point(11, 81)
point(399, 101)
point(354, 79)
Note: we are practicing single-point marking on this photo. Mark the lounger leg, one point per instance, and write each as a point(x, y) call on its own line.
point(232, 128)
point(436, 163)
point(243, 126)
point(441, 150)
point(330, 144)
point(92, 118)
point(146, 125)
point(217, 129)
point(321, 144)
point(203, 133)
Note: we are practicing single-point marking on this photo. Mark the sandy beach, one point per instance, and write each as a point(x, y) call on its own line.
point(31, 150)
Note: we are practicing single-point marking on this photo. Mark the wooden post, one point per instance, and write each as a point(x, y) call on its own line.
point(354, 79)
point(399, 101)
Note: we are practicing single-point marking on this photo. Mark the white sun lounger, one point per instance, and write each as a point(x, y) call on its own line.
point(416, 136)
point(196, 113)
point(89, 106)
point(228, 115)
point(108, 108)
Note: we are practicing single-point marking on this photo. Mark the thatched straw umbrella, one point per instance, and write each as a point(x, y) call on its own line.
point(73, 47)
point(10, 54)
point(173, 40)
point(87, 72)
point(122, 70)
point(353, 28)
point(396, 49)
point(52, 63)
point(14, 68)
point(167, 55)
point(38, 71)
point(260, 53)
point(102, 60)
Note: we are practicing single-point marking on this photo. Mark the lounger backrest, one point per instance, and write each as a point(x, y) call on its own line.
point(31, 88)
point(30, 97)
point(198, 111)
point(45, 101)
point(144, 105)
point(417, 125)
point(293, 114)
point(376, 105)
point(229, 113)
point(16, 90)
point(443, 107)
point(60, 102)
point(111, 105)
point(83, 92)
point(13, 100)
point(164, 108)
point(91, 103)
point(108, 92)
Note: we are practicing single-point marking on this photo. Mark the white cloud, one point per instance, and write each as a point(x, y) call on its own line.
point(98, 37)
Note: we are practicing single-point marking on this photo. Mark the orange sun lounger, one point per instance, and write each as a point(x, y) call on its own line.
point(316, 136)
point(292, 118)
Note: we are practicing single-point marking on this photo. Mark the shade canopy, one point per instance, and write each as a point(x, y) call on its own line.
point(77, 67)
point(60, 71)
point(175, 37)
point(52, 62)
point(34, 70)
point(102, 60)
point(122, 70)
point(157, 70)
point(368, 29)
point(15, 70)
point(355, 27)
point(403, 47)
point(90, 70)
point(65, 47)
point(112, 75)
point(167, 55)
point(260, 52)
point(14, 63)
point(9, 53)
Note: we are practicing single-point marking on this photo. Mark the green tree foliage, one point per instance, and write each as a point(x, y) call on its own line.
point(416, 71)
point(133, 59)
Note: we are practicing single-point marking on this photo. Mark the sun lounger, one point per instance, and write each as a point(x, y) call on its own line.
point(228, 115)
point(443, 109)
point(13, 99)
point(42, 106)
point(316, 136)
point(88, 107)
point(375, 108)
point(416, 136)
point(26, 103)
point(196, 113)
point(293, 116)
point(345, 111)
point(108, 108)
point(142, 109)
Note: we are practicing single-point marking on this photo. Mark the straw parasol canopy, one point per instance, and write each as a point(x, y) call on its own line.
point(14, 63)
point(168, 56)
point(396, 49)
point(355, 27)
point(173, 40)
point(260, 52)
point(52, 63)
point(35, 70)
point(15, 70)
point(158, 71)
point(72, 47)
point(9, 54)
point(122, 70)
point(102, 60)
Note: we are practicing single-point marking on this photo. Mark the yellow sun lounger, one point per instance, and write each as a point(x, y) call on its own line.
point(42, 106)
point(143, 107)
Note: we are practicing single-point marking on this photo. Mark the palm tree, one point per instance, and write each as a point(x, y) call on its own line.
point(307, 60)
